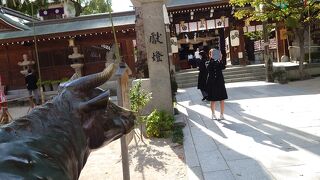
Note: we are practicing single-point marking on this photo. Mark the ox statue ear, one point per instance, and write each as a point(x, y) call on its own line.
point(99, 102)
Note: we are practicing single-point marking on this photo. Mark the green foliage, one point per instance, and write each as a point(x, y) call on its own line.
point(256, 35)
point(55, 81)
point(64, 79)
point(38, 83)
point(138, 97)
point(174, 86)
point(159, 124)
point(25, 6)
point(294, 13)
point(46, 82)
point(177, 135)
point(138, 100)
point(96, 6)
point(81, 6)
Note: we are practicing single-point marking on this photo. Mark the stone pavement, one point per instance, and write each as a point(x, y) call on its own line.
point(271, 131)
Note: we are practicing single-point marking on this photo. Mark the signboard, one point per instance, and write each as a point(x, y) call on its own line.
point(219, 23)
point(178, 28)
point(184, 27)
point(174, 45)
point(202, 25)
point(193, 26)
point(234, 36)
point(211, 24)
point(259, 27)
point(251, 28)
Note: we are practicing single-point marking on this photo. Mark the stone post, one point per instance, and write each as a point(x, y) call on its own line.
point(157, 53)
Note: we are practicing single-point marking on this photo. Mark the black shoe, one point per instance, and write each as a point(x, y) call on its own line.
point(204, 98)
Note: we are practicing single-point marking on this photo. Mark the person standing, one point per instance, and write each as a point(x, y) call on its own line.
point(190, 59)
point(203, 74)
point(215, 83)
point(31, 83)
point(197, 56)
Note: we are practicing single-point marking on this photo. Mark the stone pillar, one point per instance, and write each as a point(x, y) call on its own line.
point(157, 53)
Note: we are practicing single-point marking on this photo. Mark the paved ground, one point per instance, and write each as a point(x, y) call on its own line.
point(271, 131)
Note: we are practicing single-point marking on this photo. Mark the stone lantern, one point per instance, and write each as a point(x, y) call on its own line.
point(76, 58)
point(25, 64)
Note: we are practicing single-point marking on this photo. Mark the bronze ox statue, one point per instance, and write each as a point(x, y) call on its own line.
point(54, 140)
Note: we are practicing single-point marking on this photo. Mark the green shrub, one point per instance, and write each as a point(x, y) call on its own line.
point(55, 82)
point(177, 135)
point(138, 100)
point(64, 80)
point(174, 86)
point(159, 124)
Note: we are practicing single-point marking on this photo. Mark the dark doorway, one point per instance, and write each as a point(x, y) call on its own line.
point(249, 47)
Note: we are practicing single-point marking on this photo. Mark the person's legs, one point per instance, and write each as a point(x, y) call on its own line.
point(213, 109)
point(222, 109)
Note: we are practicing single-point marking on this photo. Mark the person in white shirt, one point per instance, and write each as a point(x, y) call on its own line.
point(197, 54)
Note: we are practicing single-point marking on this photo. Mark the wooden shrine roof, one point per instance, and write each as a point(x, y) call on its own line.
point(81, 23)
point(177, 4)
point(16, 20)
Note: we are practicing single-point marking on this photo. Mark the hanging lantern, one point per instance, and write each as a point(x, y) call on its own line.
point(71, 42)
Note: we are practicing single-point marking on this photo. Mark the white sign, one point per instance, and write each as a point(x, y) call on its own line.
point(227, 45)
point(211, 24)
point(174, 45)
point(184, 27)
point(251, 28)
point(226, 22)
point(178, 28)
point(202, 25)
point(219, 23)
point(193, 26)
point(240, 55)
point(259, 27)
point(234, 36)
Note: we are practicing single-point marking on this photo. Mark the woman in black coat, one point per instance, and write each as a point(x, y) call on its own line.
point(215, 83)
point(203, 74)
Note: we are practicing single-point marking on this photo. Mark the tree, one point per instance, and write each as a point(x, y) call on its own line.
point(297, 15)
point(96, 6)
point(81, 6)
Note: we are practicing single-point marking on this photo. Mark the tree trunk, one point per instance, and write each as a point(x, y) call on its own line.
point(77, 7)
point(300, 34)
point(142, 63)
point(266, 55)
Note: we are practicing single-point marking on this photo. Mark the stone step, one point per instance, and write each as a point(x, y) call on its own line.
point(226, 77)
point(189, 78)
point(227, 80)
point(236, 70)
point(194, 84)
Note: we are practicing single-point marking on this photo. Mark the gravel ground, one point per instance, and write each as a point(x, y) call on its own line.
point(152, 159)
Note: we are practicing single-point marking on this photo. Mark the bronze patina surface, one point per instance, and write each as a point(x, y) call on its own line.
point(54, 140)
